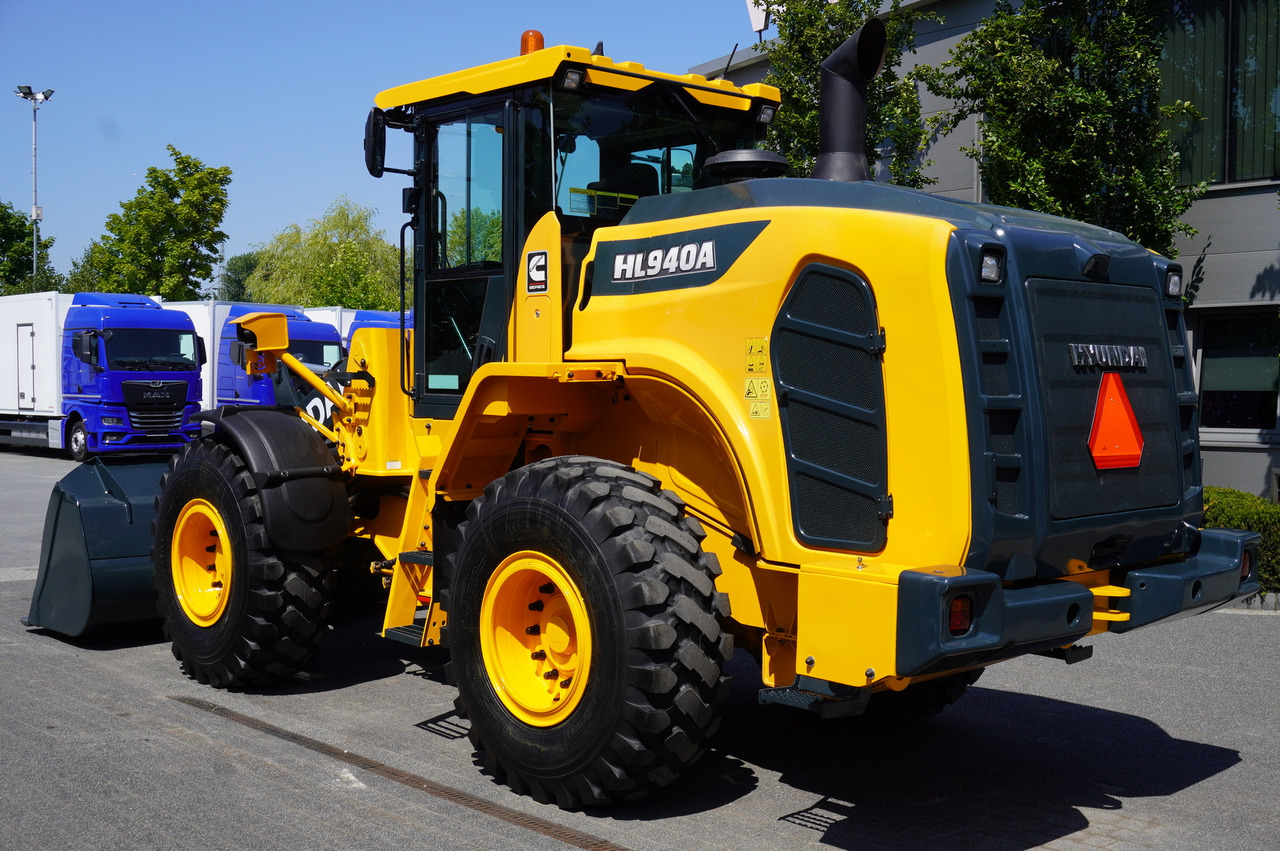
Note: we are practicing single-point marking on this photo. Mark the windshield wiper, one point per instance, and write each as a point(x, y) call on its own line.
point(697, 123)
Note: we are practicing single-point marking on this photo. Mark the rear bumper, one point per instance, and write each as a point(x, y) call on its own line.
point(1011, 622)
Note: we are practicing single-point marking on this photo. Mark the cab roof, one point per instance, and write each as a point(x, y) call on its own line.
point(544, 64)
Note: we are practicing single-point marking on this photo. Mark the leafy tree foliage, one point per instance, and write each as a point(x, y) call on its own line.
point(165, 240)
point(234, 280)
point(808, 31)
point(15, 256)
point(473, 236)
point(337, 259)
point(1068, 98)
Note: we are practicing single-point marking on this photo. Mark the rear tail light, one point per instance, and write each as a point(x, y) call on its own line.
point(960, 615)
point(1246, 566)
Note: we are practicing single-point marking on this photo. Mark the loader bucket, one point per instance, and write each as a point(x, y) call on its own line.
point(95, 557)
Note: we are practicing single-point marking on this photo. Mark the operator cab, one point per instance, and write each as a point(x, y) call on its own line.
point(495, 149)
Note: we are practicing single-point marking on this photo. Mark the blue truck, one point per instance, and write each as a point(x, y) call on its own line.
point(225, 382)
point(97, 372)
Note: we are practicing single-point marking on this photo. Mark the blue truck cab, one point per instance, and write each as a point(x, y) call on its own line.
point(316, 344)
point(130, 375)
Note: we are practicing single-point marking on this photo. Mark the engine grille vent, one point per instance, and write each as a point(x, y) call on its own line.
point(826, 358)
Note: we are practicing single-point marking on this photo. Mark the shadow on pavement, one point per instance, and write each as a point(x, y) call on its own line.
point(999, 770)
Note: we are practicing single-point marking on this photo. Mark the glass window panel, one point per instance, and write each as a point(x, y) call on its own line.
point(468, 203)
point(617, 146)
point(1223, 56)
point(1240, 372)
point(1257, 99)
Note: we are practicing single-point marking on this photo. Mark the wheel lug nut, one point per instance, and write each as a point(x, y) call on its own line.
point(535, 606)
point(551, 675)
point(549, 588)
point(565, 683)
point(538, 655)
point(533, 630)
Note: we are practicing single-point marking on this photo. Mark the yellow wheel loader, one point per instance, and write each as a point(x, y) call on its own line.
point(654, 402)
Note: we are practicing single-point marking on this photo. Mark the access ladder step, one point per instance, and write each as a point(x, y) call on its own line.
point(827, 699)
point(407, 634)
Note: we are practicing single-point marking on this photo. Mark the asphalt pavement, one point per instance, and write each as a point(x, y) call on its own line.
point(1165, 739)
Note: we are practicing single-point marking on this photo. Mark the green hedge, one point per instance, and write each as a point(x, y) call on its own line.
point(1233, 509)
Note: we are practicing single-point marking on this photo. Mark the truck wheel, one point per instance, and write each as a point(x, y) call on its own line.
point(237, 611)
point(584, 632)
point(78, 442)
point(919, 700)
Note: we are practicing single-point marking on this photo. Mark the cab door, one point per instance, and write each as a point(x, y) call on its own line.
point(462, 297)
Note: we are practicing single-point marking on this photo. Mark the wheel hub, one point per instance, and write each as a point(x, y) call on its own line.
point(200, 560)
point(535, 637)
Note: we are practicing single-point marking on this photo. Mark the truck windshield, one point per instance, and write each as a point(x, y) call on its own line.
point(151, 349)
point(613, 146)
point(316, 352)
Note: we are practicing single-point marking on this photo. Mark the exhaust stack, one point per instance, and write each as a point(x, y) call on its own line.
point(842, 107)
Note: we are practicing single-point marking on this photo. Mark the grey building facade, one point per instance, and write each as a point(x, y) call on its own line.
point(1223, 56)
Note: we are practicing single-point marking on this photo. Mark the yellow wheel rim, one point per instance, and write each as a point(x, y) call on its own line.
point(200, 560)
point(535, 637)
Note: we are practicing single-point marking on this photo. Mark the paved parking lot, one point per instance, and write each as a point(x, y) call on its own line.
point(1165, 739)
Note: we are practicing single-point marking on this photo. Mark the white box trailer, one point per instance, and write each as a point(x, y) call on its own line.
point(31, 367)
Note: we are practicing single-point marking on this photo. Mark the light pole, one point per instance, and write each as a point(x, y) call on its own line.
point(37, 214)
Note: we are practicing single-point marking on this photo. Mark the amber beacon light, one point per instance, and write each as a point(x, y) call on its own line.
point(530, 40)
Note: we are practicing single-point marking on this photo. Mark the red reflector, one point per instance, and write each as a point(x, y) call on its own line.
point(1115, 440)
point(960, 618)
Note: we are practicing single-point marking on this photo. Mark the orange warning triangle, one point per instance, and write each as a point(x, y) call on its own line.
point(1115, 440)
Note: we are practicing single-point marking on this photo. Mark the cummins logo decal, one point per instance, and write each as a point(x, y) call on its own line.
point(676, 260)
point(536, 271)
point(671, 261)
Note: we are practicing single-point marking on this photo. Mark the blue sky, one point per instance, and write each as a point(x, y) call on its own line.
point(278, 91)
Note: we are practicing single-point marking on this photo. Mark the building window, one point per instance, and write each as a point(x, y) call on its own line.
point(1240, 372)
point(1224, 57)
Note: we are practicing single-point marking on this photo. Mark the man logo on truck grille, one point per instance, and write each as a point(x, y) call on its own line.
point(1088, 355)
point(656, 263)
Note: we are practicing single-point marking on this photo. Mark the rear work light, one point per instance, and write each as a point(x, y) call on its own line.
point(960, 615)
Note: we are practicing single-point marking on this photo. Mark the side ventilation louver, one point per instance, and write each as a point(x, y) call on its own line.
point(826, 360)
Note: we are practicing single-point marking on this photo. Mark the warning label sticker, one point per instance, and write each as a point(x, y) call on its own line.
point(758, 355)
point(761, 410)
point(758, 390)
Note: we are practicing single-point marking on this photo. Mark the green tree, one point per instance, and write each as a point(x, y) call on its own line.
point(15, 256)
point(233, 283)
point(1067, 94)
point(474, 236)
point(337, 259)
point(808, 31)
point(165, 240)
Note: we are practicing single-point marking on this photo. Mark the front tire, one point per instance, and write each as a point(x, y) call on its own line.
point(78, 442)
point(584, 632)
point(236, 610)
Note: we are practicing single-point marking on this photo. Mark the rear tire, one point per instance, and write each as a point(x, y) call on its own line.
point(236, 610)
point(584, 632)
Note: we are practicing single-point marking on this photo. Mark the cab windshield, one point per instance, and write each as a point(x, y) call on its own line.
point(613, 147)
point(150, 349)
point(316, 352)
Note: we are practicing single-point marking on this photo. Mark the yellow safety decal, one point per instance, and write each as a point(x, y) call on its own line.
point(759, 396)
point(758, 355)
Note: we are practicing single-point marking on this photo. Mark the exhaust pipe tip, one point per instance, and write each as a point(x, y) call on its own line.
point(842, 108)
